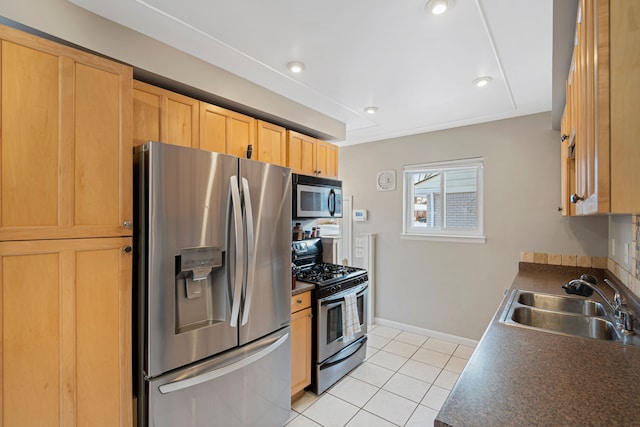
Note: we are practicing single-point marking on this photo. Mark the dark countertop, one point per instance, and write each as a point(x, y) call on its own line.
point(519, 376)
point(302, 287)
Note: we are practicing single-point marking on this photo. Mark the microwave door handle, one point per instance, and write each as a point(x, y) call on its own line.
point(239, 239)
point(332, 202)
point(251, 264)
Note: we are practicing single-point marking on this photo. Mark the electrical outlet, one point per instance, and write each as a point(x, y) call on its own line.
point(626, 253)
point(613, 247)
point(359, 253)
point(359, 242)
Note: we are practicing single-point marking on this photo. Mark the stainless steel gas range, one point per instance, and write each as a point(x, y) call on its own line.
point(339, 314)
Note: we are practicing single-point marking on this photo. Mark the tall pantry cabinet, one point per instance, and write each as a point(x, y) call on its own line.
point(65, 235)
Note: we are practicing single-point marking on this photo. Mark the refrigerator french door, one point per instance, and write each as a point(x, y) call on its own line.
point(212, 298)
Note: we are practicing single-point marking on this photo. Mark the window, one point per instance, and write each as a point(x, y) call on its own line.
point(443, 201)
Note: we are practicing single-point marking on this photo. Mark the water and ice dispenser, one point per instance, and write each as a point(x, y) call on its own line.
point(200, 292)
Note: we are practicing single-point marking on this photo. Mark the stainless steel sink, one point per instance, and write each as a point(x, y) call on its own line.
point(564, 315)
point(566, 323)
point(561, 303)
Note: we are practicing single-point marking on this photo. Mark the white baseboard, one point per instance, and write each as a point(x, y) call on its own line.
point(428, 332)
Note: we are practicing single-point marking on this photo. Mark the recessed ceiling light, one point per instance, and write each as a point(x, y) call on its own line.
point(371, 110)
point(482, 81)
point(437, 7)
point(295, 66)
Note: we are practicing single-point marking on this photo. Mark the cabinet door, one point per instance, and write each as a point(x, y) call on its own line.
point(300, 350)
point(592, 127)
point(65, 317)
point(164, 116)
point(326, 159)
point(625, 104)
point(272, 143)
point(301, 153)
point(66, 141)
point(225, 131)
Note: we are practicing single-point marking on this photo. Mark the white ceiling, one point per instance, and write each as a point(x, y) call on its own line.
point(416, 68)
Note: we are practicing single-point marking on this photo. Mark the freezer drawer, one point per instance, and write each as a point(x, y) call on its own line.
point(249, 386)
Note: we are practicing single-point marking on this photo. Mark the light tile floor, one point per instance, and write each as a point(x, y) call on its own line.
point(403, 381)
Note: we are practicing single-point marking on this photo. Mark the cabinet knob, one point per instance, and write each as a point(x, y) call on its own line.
point(298, 301)
point(127, 249)
point(575, 198)
point(563, 137)
point(127, 224)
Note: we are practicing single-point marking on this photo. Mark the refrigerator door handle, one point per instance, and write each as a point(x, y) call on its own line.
point(224, 370)
point(251, 264)
point(239, 240)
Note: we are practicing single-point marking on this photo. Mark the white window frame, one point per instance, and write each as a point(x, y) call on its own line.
point(442, 234)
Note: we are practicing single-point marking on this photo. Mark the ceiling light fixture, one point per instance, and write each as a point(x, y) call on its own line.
point(437, 7)
point(482, 81)
point(371, 110)
point(295, 66)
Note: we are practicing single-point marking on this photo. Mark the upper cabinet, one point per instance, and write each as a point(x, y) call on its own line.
point(225, 131)
point(272, 143)
point(311, 156)
point(603, 94)
point(162, 115)
point(65, 142)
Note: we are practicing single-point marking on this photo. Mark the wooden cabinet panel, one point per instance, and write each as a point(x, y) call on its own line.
point(165, 116)
point(603, 92)
point(271, 143)
point(625, 103)
point(311, 156)
point(225, 131)
point(66, 341)
point(326, 159)
point(66, 140)
point(213, 128)
point(182, 121)
point(301, 153)
point(300, 342)
point(300, 350)
point(146, 115)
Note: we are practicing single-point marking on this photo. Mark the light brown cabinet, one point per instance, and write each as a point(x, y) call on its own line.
point(65, 316)
point(225, 131)
point(603, 94)
point(165, 116)
point(65, 226)
point(300, 342)
point(66, 138)
point(311, 156)
point(271, 143)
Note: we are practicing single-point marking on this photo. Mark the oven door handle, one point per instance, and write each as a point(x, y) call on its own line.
point(340, 296)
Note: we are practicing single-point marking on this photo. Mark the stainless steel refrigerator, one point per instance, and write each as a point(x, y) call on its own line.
point(212, 289)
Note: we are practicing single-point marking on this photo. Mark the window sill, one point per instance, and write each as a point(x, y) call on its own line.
point(445, 238)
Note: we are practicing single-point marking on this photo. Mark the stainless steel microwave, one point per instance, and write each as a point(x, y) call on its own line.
point(315, 197)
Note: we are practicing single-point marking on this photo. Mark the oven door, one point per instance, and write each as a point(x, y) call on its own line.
point(329, 337)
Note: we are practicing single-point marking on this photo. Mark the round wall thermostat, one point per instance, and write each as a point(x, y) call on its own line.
point(386, 180)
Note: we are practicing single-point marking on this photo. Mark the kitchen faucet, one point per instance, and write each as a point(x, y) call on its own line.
point(618, 308)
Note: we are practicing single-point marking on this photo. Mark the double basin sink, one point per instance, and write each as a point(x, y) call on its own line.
point(563, 315)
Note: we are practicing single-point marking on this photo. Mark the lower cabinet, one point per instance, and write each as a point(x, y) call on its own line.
point(65, 317)
point(300, 342)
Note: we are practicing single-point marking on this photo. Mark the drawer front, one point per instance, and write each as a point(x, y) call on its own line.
point(300, 301)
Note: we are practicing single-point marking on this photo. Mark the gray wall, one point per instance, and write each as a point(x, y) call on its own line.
point(455, 288)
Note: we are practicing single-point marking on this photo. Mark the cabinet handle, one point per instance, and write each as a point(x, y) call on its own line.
point(575, 198)
point(127, 249)
point(126, 224)
point(563, 137)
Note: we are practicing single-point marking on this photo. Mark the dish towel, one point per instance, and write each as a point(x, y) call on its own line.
point(350, 320)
